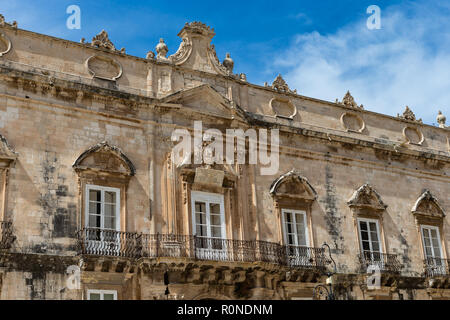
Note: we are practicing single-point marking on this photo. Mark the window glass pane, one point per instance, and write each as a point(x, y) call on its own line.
point(433, 233)
point(301, 240)
point(95, 195)
point(94, 221)
point(427, 242)
point(373, 227)
point(201, 231)
point(375, 246)
point(216, 232)
point(108, 296)
point(214, 208)
point(200, 207)
point(110, 197)
point(110, 209)
point(110, 223)
point(363, 225)
point(288, 216)
point(289, 228)
point(94, 296)
point(374, 236)
point(291, 240)
point(215, 220)
point(94, 207)
point(364, 236)
point(200, 218)
point(428, 252)
point(366, 245)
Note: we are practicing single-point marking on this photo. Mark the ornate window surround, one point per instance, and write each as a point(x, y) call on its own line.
point(428, 212)
point(214, 179)
point(300, 199)
point(106, 166)
point(366, 203)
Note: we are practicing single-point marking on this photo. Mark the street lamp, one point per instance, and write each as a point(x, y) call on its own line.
point(326, 290)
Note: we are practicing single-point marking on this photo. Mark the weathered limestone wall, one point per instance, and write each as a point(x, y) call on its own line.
point(52, 110)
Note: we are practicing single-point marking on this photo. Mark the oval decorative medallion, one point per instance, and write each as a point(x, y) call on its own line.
point(5, 44)
point(103, 67)
point(413, 135)
point(352, 122)
point(283, 108)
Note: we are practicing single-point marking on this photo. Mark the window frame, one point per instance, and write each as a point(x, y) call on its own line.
point(102, 189)
point(305, 223)
point(101, 293)
point(208, 198)
point(429, 227)
point(377, 223)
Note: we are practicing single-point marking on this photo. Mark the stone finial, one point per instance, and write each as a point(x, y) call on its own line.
point(2, 20)
point(161, 49)
point(228, 63)
point(441, 120)
point(102, 41)
point(409, 115)
point(349, 101)
point(280, 85)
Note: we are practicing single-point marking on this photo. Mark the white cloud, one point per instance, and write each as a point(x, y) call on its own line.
point(407, 62)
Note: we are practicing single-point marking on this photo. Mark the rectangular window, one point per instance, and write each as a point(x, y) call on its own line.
point(369, 237)
point(295, 228)
point(208, 220)
point(102, 295)
point(102, 207)
point(431, 242)
point(296, 237)
point(102, 213)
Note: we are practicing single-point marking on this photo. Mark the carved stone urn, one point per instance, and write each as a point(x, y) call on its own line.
point(228, 63)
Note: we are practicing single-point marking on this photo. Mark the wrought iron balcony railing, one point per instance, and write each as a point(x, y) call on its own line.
point(109, 243)
point(134, 245)
point(381, 261)
point(6, 235)
point(437, 267)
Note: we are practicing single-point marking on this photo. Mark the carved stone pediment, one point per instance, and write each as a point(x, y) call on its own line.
point(367, 198)
point(105, 158)
point(428, 206)
point(293, 185)
point(204, 99)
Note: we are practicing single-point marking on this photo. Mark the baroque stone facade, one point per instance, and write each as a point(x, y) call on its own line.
point(93, 207)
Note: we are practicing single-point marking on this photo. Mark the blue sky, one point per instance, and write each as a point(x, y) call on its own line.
point(321, 47)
